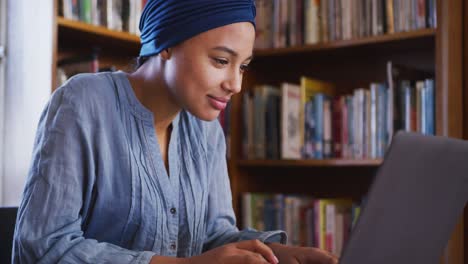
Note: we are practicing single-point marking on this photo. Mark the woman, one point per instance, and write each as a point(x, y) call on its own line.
point(130, 168)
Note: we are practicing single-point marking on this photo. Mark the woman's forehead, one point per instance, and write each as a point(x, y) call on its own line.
point(235, 36)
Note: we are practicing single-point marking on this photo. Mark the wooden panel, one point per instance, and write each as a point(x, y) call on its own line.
point(449, 102)
point(449, 69)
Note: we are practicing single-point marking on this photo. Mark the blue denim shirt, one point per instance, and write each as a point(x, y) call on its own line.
point(98, 190)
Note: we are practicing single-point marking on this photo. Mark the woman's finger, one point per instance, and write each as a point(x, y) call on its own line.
point(316, 255)
point(258, 247)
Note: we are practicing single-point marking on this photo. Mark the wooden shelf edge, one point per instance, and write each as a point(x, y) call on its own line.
point(97, 30)
point(401, 36)
point(311, 163)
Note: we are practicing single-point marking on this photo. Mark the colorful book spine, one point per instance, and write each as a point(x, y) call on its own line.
point(319, 125)
point(430, 106)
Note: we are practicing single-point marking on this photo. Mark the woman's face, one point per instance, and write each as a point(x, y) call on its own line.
point(205, 71)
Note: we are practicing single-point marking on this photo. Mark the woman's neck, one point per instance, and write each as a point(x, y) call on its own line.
point(153, 93)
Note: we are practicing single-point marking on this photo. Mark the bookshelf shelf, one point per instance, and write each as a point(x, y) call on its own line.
point(310, 163)
point(401, 39)
point(86, 35)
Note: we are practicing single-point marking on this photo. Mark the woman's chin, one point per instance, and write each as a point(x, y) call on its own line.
point(206, 115)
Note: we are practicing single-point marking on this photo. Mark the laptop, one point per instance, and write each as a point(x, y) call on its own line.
point(414, 203)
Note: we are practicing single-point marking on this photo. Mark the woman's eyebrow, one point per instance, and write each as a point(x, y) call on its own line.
point(230, 51)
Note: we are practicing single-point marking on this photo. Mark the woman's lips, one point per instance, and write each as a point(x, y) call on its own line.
point(218, 103)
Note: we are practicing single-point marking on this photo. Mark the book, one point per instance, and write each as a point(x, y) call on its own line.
point(290, 121)
point(327, 128)
point(272, 124)
point(312, 28)
point(337, 125)
point(430, 106)
point(248, 131)
point(309, 88)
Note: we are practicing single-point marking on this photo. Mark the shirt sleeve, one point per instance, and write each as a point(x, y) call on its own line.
point(221, 226)
point(49, 223)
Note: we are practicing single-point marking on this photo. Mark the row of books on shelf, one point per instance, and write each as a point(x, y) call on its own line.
point(282, 23)
point(308, 221)
point(310, 121)
point(70, 66)
point(121, 15)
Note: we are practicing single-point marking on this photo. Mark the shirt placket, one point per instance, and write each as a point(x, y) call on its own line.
point(173, 207)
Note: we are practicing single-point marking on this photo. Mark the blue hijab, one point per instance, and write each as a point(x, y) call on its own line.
point(165, 23)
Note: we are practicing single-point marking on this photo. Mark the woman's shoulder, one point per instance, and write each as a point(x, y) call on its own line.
point(87, 85)
point(87, 91)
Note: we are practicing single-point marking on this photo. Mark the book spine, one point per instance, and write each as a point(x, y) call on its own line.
point(337, 123)
point(283, 33)
point(280, 211)
point(430, 106)
point(310, 227)
point(380, 17)
point(390, 17)
point(421, 14)
point(344, 128)
point(406, 89)
point(367, 127)
point(312, 29)
point(324, 21)
point(373, 120)
point(327, 128)
point(291, 140)
point(319, 125)
point(391, 116)
point(309, 130)
point(396, 15)
point(351, 125)
point(338, 18)
point(292, 20)
point(424, 109)
point(331, 20)
point(85, 11)
point(330, 227)
point(419, 113)
point(381, 125)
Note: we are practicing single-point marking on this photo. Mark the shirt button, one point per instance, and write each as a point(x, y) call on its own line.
point(173, 246)
point(173, 210)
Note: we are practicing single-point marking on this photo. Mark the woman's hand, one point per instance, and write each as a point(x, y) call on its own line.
point(245, 252)
point(302, 255)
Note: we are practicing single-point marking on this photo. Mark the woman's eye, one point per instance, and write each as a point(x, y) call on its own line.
point(220, 61)
point(244, 67)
